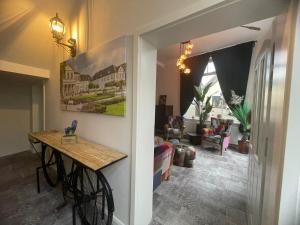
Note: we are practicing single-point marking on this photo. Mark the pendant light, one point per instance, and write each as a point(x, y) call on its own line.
point(185, 50)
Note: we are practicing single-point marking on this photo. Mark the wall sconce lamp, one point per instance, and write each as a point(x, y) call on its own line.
point(57, 28)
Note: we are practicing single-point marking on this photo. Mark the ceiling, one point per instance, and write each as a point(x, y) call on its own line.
point(218, 40)
point(19, 78)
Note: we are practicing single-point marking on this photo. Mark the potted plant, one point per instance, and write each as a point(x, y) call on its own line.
point(241, 112)
point(203, 105)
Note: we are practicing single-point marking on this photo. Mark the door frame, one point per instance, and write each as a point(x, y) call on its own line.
point(263, 78)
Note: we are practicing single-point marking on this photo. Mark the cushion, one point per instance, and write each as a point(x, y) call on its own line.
point(207, 131)
point(214, 138)
point(174, 141)
point(220, 128)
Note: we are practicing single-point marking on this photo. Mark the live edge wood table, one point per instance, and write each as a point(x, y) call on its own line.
point(92, 194)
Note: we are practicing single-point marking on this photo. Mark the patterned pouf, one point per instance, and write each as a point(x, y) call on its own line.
point(184, 156)
point(179, 155)
point(190, 155)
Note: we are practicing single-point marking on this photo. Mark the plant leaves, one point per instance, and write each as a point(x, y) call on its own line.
point(198, 93)
point(240, 112)
point(206, 88)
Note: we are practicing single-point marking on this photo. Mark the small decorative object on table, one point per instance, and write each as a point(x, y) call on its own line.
point(70, 136)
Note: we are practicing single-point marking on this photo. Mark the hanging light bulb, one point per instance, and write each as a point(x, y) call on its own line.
point(185, 51)
point(183, 57)
point(182, 66)
point(187, 71)
point(189, 45)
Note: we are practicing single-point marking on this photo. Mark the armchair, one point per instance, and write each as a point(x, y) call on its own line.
point(174, 128)
point(219, 135)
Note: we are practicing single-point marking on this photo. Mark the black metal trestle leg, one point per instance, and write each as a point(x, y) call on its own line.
point(93, 198)
point(38, 179)
point(74, 214)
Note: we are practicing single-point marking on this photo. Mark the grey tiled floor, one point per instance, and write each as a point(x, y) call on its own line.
point(19, 202)
point(211, 193)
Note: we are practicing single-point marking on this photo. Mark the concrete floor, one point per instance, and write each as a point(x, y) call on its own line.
point(212, 193)
point(20, 204)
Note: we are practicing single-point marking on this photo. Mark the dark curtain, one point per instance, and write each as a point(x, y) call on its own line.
point(197, 64)
point(232, 67)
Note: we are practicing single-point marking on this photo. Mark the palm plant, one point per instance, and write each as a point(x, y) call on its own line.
point(202, 102)
point(241, 112)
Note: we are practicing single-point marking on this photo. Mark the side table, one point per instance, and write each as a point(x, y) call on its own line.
point(195, 139)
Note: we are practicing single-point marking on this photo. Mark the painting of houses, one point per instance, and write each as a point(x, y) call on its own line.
point(95, 81)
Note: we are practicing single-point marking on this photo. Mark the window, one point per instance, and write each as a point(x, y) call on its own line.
point(217, 100)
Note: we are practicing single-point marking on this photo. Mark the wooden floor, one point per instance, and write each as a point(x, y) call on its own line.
point(20, 204)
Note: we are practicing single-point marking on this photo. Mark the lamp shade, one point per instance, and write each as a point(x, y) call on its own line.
point(57, 28)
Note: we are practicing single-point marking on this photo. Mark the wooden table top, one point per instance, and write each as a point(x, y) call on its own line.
point(93, 156)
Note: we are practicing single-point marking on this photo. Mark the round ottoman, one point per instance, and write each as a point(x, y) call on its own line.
point(190, 155)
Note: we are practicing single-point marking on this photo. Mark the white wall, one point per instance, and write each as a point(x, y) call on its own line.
point(15, 114)
point(168, 83)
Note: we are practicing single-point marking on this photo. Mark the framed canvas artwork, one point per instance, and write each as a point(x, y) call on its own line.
point(95, 81)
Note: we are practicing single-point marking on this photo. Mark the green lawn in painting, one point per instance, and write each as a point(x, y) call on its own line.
point(117, 109)
point(90, 98)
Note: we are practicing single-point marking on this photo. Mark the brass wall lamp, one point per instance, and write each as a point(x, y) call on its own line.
point(58, 31)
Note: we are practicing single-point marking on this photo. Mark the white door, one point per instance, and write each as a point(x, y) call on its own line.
point(259, 132)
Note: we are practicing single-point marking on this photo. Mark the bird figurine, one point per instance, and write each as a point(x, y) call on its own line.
point(69, 131)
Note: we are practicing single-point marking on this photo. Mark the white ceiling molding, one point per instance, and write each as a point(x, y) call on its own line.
point(24, 69)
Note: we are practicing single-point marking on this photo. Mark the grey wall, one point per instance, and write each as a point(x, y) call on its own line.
point(21, 111)
point(15, 115)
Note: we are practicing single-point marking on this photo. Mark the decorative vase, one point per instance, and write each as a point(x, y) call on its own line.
point(243, 147)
